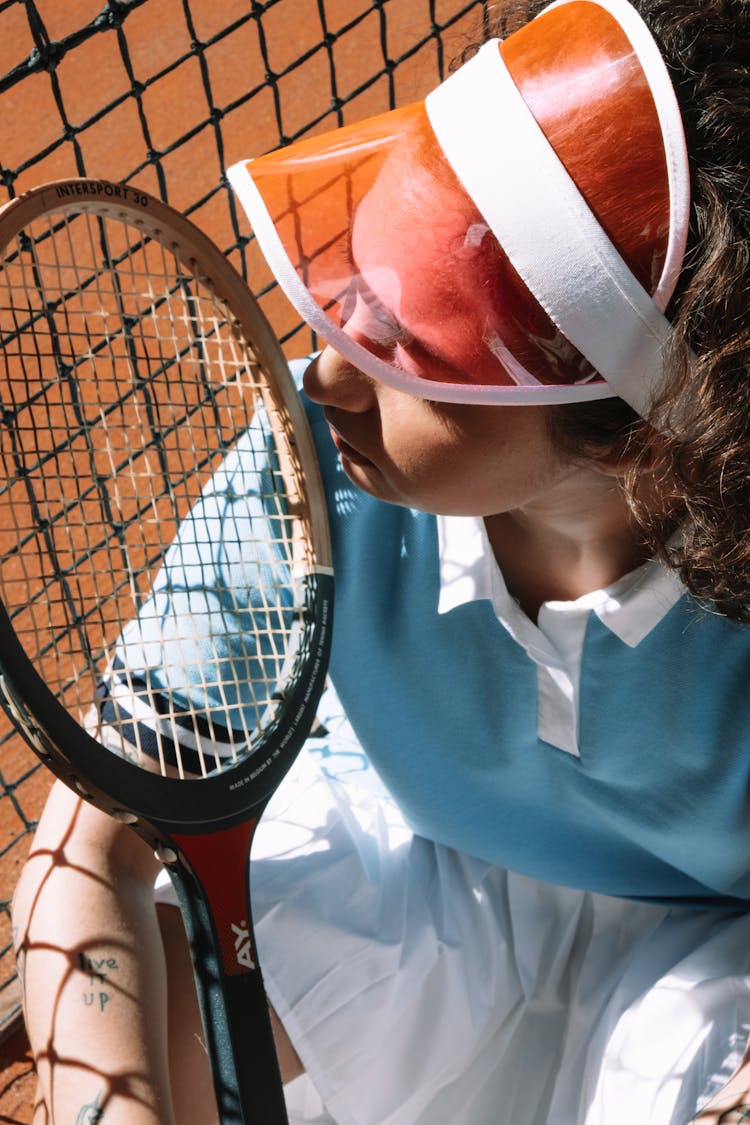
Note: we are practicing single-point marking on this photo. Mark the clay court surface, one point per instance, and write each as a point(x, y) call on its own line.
point(165, 94)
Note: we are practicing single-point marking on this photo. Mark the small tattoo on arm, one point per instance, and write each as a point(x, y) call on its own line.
point(97, 969)
point(91, 1113)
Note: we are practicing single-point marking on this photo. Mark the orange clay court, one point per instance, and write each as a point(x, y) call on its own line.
point(164, 95)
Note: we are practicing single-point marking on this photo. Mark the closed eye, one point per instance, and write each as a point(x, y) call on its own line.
point(370, 318)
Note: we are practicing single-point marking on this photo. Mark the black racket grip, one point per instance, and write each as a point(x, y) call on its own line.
point(236, 1020)
point(243, 1054)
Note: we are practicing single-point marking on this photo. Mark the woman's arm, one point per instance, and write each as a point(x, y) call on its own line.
point(91, 962)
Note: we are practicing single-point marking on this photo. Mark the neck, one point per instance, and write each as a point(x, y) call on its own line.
point(568, 545)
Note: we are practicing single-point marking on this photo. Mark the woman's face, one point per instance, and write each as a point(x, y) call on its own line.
point(443, 458)
point(426, 303)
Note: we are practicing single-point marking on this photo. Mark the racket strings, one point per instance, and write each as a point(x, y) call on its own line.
point(119, 410)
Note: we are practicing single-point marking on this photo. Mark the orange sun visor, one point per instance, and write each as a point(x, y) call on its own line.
point(514, 238)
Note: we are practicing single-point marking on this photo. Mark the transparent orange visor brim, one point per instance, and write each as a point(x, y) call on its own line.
point(374, 238)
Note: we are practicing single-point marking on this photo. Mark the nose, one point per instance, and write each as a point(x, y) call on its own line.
point(331, 380)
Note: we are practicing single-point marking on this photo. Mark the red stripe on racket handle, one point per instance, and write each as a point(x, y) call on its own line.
point(212, 879)
point(220, 863)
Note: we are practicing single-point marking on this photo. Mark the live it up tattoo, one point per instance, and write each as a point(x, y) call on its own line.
point(97, 969)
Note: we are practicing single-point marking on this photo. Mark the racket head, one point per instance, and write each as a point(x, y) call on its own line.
point(134, 358)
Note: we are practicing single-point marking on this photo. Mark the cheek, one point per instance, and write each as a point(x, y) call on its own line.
point(431, 465)
point(416, 438)
point(461, 461)
point(487, 471)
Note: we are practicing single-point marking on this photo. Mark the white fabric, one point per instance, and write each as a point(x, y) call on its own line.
point(424, 987)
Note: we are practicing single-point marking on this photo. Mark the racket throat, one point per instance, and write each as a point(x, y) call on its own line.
point(220, 864)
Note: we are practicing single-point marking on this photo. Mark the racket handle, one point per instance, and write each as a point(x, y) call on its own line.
point(245, 1068)
point(237, 1024)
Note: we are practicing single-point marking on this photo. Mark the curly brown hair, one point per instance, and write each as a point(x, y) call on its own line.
point(701, 465)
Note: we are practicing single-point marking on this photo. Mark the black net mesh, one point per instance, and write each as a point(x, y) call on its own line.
point(165, 94)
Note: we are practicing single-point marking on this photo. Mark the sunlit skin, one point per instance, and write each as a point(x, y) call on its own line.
point(559, 527)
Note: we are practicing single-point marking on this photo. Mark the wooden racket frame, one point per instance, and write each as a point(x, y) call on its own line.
point(200, 255)
point(217, 815)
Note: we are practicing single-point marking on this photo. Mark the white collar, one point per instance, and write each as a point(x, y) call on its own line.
point(630, 608)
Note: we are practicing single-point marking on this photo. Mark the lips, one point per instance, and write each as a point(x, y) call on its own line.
point(347, 450)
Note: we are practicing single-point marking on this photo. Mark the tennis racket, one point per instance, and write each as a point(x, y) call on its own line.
point(165, 573)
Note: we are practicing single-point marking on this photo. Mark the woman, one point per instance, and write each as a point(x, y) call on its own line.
point(514, 889)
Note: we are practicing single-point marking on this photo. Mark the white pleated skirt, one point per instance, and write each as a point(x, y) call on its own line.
point(420, 986)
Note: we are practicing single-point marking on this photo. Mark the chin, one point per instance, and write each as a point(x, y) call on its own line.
point(369, 480)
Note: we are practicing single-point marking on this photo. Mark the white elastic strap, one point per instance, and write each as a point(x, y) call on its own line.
point(673, 138)
point(544, 225)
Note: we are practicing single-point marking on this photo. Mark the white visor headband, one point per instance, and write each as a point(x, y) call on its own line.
point(544, 224)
